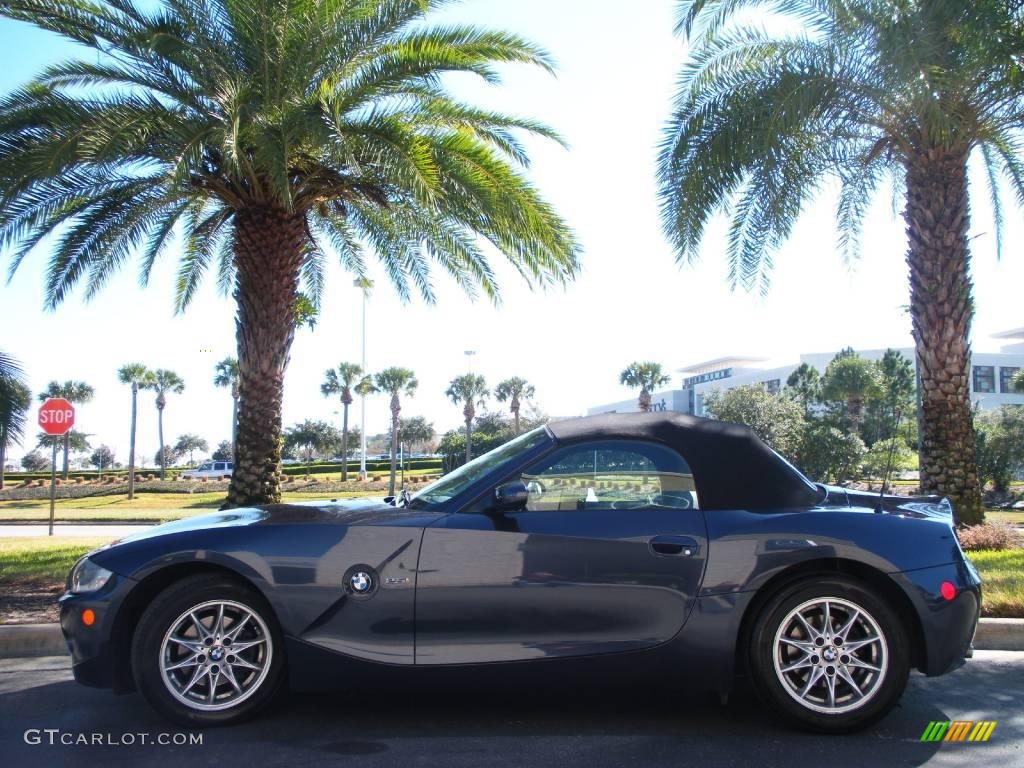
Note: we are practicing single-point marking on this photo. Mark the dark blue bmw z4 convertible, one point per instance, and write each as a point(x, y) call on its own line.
point(662, 546)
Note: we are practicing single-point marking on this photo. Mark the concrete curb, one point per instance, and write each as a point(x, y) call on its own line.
point(23, 640)
point(20, 640)
point(1000, 635)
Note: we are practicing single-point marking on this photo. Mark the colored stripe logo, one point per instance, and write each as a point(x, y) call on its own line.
point(958, 730)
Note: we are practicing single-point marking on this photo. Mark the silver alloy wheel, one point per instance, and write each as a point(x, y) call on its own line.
point(830, 655)
point(216, 655)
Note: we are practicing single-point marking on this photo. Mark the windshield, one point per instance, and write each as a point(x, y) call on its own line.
point(452, 484)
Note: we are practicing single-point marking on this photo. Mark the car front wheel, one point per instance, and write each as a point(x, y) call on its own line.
point(207, 651)
point(829, 654)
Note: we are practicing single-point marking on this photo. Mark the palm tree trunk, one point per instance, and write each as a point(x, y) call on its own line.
point(645, 400)
point(160, 432)
point(515, 413)
point(3, 460)
point(937, 220)
point(67, 448)
point(131, 445)
point(268, 254)
point(234, 420)
point(344, 443)
point(396, 409)
point(469, 440)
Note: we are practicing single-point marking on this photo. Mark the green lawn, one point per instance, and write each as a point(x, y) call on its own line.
point(42, 560)
point(1003, 587)
point(149, 507)
point(1014, 517)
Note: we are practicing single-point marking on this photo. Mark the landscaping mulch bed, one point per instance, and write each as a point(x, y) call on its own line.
point(30, 602)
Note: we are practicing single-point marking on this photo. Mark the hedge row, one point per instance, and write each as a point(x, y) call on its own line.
point(316, 468)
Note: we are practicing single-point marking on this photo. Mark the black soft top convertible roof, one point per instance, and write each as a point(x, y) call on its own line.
point(732, 468)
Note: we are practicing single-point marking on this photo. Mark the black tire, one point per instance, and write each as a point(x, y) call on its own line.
point(773, 648)
point(262, 633)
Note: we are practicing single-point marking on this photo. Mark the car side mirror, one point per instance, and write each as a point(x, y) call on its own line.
point(510, 495)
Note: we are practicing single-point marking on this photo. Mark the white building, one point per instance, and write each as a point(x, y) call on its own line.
point(991, 373)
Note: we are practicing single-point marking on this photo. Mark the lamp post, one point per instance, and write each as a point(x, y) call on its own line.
point(364, 284)
point(469, 359)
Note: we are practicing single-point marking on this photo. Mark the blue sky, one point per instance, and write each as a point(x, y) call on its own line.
point(617, 65)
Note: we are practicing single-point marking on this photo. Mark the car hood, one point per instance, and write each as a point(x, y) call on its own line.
point(360, 511)
point(923, 507)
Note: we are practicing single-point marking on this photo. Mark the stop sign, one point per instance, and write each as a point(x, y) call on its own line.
point(56, 416)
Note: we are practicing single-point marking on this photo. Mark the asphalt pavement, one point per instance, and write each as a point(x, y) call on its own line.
point(490, 728)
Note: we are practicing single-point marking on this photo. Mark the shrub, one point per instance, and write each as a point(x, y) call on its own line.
point(989, 536)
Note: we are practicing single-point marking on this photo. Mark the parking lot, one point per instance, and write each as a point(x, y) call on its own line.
point(509, 727)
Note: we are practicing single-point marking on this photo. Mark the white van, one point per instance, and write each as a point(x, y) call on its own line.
point(208, 469)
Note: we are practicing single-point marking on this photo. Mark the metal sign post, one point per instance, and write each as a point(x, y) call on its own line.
point(53, 484)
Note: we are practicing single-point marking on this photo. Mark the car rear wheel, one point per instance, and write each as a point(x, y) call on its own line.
point(829, 654)
point(207, 651)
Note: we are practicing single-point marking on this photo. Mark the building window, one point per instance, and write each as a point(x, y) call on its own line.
point(1006, 378)
point(772, 386)
point(984, 378)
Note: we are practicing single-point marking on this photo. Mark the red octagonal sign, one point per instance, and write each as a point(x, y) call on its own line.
point(56, 416)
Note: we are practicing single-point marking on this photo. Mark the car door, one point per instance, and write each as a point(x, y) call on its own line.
point(606, 554)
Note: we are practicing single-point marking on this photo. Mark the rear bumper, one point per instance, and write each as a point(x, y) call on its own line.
point(947, 626)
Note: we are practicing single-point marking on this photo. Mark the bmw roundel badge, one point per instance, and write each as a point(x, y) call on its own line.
point(360, 581)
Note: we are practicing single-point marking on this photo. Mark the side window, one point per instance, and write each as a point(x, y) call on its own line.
point(219, 465)
point(610, 475)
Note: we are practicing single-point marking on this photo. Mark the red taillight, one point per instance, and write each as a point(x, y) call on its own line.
point(88, 617)
point(948, 590)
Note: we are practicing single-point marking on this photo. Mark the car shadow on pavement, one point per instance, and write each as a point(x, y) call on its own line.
point(482, 726)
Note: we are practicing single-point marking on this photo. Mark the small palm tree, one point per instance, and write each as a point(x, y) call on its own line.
point(396, 382)
point(514, 390)
point(341, 381)
point(264, 134)
point(468, 390)
point(645, 376)
point(870, 94)
point(226, 375)
point(137, 375)
point(73, 392)
point(15, 400)
point(163, 381)
point(851, 380)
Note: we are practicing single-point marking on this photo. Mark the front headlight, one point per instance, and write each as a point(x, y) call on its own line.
point(86, 576)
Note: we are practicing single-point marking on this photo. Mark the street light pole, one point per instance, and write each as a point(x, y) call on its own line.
point(365, 285)
point(469, 359)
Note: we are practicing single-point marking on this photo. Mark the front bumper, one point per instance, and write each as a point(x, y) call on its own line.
point(947, 626)
point(93, 655)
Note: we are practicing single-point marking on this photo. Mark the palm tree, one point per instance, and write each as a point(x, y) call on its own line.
point(645, 376)
point(342, 381)
point(396, 382)
point(73, 392)
point(851, 380)
point(870, 93)
point(226, 375)
point(513, 390)
point(15, 400)
point(468, 390)
point(137, 375)
point(266, 134)
point(163, 381)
